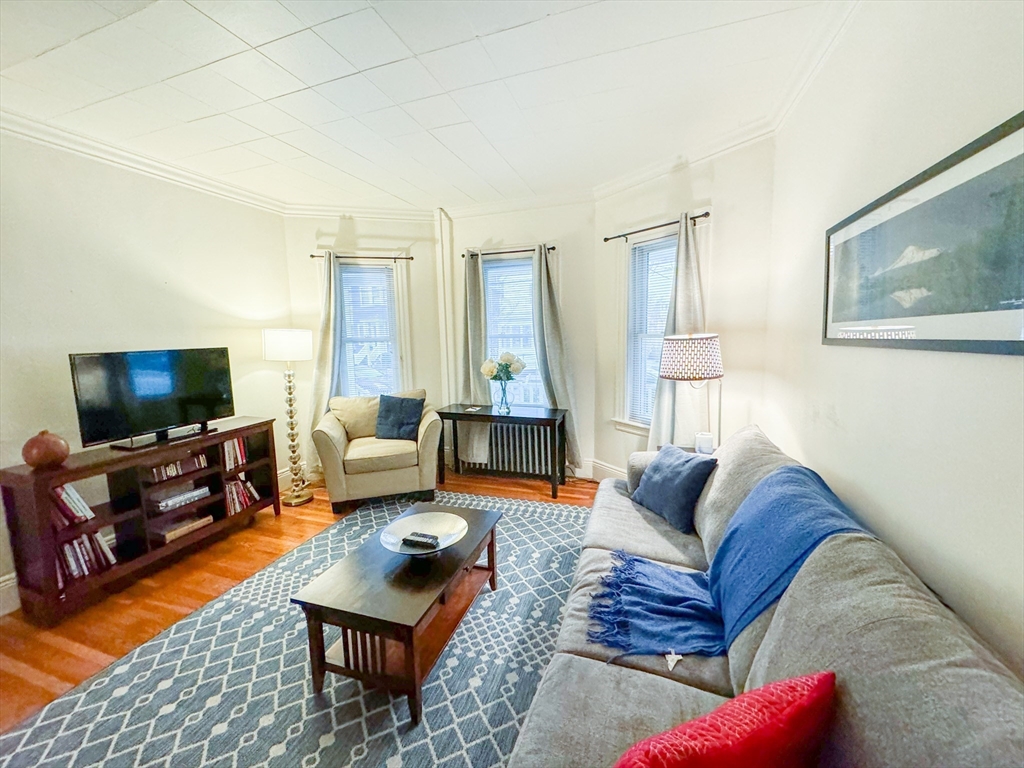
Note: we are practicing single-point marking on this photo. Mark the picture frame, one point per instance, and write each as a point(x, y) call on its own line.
point(938, 262)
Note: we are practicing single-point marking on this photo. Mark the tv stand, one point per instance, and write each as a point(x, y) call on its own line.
point(131, 513)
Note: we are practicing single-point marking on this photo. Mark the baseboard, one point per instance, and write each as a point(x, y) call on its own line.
point(602, 471)
point(9, 600)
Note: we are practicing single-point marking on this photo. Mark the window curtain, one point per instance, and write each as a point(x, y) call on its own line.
point(680, 410)
point(552, 354)
point(323, 367)
point(474, 439)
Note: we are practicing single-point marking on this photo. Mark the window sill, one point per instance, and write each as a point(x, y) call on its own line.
point(632, 427)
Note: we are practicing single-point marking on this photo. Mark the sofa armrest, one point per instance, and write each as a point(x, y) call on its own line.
point(426, 444)
point(636, 466)
point(331, 442)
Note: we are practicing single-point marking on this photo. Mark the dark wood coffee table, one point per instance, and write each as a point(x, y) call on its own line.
point(397, 613)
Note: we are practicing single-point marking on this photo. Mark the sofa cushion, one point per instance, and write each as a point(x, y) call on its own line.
point(368, 454)
point(710, 673)
point(744, 648)
point(914, 686)
point(359, 414)
point(618, 522)
point(672, 484)
point(587, 713)
point(780, 725)
point(744, 459)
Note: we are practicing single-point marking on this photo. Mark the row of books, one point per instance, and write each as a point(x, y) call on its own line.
point(169, 530)
point(83, 557)
point(71, 505)
point(178, 468)
point(235, 454)
point(239, 494)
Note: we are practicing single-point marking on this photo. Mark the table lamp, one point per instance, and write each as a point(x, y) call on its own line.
point(696, 358)
point(289, 345)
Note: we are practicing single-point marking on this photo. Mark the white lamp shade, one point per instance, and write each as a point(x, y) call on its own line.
point(287, 344)
point(693, 357)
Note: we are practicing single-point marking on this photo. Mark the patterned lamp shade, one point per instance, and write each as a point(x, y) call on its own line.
point(693, 357)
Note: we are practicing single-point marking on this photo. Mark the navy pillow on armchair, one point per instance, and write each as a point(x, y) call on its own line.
point(672, 483)
point(399, 418)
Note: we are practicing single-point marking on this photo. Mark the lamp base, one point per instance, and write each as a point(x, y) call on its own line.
point(297, 498)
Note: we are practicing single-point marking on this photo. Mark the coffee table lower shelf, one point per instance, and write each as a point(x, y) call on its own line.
point(396, 659)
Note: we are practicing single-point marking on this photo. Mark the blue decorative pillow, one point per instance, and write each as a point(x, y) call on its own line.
point(398, 418)
point(672, 484)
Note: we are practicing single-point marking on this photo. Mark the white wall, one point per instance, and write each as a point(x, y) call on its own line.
point(98, 258)
point(928, 447)
point(570, 228)
point(737, 186)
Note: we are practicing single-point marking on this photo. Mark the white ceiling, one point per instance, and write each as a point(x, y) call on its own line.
point(410, 103)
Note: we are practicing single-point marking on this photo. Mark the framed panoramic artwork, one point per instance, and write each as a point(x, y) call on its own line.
point(938, 263)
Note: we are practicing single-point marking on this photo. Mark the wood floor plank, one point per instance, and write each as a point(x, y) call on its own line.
point(37, 665)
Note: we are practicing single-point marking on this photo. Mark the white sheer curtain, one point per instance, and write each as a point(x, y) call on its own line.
point(680, 410)
point(323, 367)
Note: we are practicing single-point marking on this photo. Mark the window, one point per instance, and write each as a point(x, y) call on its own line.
point(652, 268)
point(508, 299)
point(366, 331)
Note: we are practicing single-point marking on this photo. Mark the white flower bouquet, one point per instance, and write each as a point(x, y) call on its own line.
point(504, 370)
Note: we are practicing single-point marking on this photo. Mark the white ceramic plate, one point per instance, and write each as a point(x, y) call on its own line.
point(447, 527)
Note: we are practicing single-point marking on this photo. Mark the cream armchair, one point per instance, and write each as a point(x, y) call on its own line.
point(359, 466)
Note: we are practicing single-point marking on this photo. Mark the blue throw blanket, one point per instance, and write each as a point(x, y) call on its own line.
point(648, 609)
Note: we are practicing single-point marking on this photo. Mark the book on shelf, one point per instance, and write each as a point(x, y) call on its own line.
point(169, 530)
point(238, 496)
point(190, 463)
point(183, 498)
point(84, 556)
point(234, 453)
point(71, 504)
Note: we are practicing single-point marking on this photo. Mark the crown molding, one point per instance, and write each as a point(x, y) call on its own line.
point(39, 133)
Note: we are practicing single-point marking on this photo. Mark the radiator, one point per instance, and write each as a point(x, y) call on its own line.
point(519, 449)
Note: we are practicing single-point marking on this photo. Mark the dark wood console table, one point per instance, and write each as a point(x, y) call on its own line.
point(29, 503)
point(553, 418)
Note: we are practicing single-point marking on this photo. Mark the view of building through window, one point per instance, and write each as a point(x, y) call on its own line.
point(366, 331)
point(652, 269)
point(508, 299)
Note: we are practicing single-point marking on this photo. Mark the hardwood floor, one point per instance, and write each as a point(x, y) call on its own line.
point(38, 665)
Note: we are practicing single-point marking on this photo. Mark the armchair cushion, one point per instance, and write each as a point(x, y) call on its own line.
point(359, 414)
point(368, 454)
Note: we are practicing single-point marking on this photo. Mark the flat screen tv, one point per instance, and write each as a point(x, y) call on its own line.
point(127, 394)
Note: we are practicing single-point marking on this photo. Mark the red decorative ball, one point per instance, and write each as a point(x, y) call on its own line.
point(45, 450)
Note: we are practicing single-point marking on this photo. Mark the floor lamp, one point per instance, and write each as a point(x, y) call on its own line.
point(697, 359)
point(289, 345)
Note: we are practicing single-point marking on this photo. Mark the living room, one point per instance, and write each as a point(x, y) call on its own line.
point(203, 175)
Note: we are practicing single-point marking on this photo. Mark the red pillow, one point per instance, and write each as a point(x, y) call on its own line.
point(781, 725)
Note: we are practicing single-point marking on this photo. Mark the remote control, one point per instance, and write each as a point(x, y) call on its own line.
point(422, 540)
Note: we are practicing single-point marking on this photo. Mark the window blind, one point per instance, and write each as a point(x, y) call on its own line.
point(508, 303)
point(652, 268)
point(366, 331)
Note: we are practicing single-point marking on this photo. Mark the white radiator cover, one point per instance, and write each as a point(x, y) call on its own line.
point(520, 449)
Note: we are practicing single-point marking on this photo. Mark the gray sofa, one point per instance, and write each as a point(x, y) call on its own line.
point(915, 686)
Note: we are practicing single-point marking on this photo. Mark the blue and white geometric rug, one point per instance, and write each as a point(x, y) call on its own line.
point(229, 686)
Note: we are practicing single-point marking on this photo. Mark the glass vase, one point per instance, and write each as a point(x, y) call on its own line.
point(504, 405)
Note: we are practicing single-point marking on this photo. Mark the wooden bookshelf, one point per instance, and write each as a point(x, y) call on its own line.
point(130, 512)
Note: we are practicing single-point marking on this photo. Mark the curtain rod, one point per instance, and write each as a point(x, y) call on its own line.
point(693, 220)
point(502, 253)
point(353, 256)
